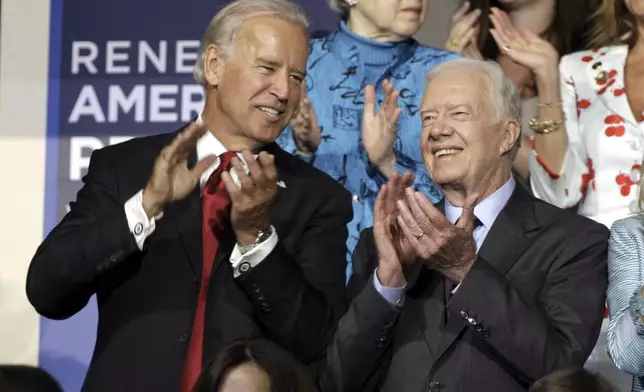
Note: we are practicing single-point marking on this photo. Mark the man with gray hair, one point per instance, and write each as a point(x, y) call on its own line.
point(487, 291)
point(195, 239)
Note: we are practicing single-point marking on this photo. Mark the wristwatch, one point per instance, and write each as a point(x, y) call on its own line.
point(262, 236)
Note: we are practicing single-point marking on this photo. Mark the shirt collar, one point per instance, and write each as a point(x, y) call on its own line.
point(208, 144)
point(488, 209)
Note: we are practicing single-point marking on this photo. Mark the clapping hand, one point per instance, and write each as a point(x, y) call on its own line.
point(394, 250)
point(441, 245)
point(253, 198)
point(379, 130)
point(172, 179)
point(306, 130)
point(523, 46)
point(463, 32)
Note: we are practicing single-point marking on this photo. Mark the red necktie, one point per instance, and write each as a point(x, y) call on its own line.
point(215, 209)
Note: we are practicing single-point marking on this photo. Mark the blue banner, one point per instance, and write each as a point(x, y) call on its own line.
point(117, 70)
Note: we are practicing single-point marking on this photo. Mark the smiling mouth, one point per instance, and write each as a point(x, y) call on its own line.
point(270, 112)
point(447, 152)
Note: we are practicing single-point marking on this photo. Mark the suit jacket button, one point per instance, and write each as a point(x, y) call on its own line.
point(478, 327)
point(266, 308)
point(184, 337)
point(434, 386)
point(464, 315)
point(485, 333)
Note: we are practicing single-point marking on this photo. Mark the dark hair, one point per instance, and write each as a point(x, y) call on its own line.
point(22, 378)
point(569, 31)
point(286, 374)
point(572, 380)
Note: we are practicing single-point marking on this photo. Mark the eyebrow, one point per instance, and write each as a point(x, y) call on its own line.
point(276, 64)
point(448, 106)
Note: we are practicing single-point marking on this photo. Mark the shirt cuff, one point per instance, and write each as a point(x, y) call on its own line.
point(394, 295)
point(244, 262)
point(137, 220)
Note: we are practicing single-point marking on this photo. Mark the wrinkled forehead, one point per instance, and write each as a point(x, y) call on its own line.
point(456, 87)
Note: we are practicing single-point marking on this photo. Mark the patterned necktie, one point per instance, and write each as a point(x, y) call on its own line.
point(215, 210)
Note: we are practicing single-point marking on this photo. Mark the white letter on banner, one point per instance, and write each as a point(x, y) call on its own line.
point(181, 56)
point(157, 103)
point(117, 99)
point(189, 107)
point(118, 139)
point(77, 161)
point(86, 59)
point(159, 61)
point(87, 104)
point(111, 57)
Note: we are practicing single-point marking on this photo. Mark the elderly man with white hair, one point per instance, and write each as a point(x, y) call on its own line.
point(490, 289)
point(195, 239)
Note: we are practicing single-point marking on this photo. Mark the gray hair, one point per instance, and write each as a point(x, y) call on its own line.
point(341, 7)
point(224, 27)
point(503, 92)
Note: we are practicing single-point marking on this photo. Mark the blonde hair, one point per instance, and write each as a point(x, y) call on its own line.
point(613, 24)
point(224, 27)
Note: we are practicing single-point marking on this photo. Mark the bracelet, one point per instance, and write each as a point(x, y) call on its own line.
point(545, 126)
point(548, 104)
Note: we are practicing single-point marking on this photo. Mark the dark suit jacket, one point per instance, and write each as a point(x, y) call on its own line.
point(147, 299)
point(532, 303)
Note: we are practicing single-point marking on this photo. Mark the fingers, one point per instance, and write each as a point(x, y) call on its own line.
point(369, 100)
point(464, 26)
point(380, 204)
point(202, 166)
point(184, 143)
point(267, 162)
point(460, 12)
point(233, 190)
point(407, 180)
point(436, 218)
point(261, 171)
point(467, 216)
point(506, 29)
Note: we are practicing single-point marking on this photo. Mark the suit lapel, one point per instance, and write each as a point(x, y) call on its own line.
point(426, 290)
point(186, 215)
point(504, 244)
point(606, 74)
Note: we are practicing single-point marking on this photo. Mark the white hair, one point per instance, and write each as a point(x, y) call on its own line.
point(341, 7)
point(502, 90)
point(224, 27)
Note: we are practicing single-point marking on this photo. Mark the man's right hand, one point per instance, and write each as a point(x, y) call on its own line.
point(306, 130)
point(171, 178)
point(394, 251)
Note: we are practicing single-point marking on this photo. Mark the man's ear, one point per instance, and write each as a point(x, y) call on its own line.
point(510, 135)
point(213, 65)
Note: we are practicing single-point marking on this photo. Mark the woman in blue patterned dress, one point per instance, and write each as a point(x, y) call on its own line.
point(372, 48)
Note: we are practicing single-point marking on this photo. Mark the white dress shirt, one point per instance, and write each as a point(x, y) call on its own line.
point(486, 211)
point(142, 227)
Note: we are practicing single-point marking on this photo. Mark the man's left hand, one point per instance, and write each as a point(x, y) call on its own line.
point(443, 246)
point(253, 198)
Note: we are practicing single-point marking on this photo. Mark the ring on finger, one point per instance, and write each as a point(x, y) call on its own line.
point(453, 41)
point(506, 48)
point(419, 235)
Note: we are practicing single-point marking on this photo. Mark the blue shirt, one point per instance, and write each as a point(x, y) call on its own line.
point(338, 68)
